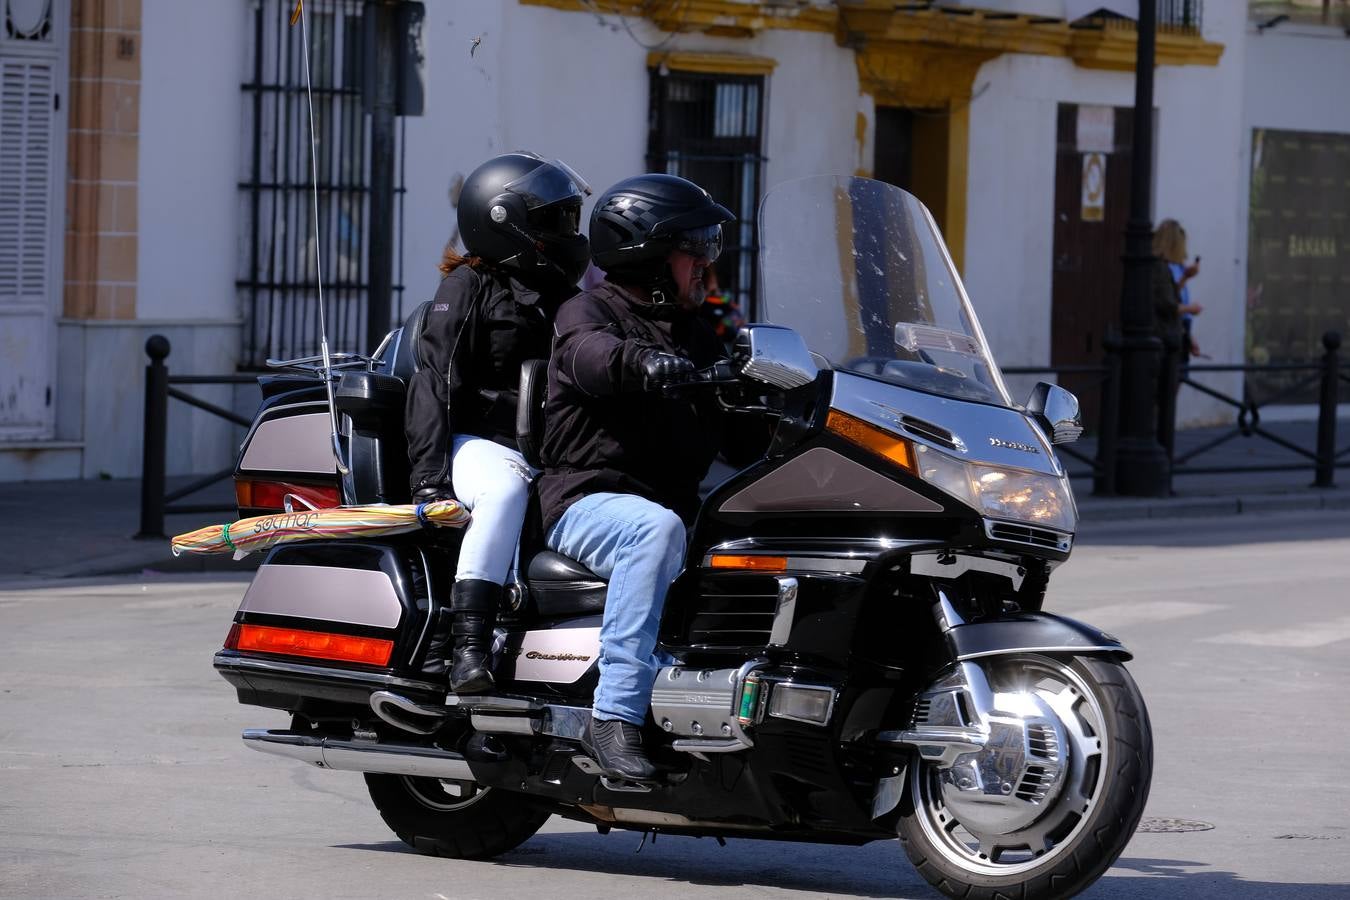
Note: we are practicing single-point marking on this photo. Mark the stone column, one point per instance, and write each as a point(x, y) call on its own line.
point(103, 150)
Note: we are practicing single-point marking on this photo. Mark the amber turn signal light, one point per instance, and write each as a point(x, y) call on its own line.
point(752, 563)
point(896, 449)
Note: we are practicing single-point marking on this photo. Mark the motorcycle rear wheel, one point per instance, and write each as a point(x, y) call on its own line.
point(1084, 831)
point(456, 819)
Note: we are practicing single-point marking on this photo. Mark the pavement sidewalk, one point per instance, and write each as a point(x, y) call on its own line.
point(85, 528)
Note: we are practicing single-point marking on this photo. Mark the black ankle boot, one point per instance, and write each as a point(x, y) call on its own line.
point(617, 747)
point(475, 606)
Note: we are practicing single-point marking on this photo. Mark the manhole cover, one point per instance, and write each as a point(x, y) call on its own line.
point(1150, 825)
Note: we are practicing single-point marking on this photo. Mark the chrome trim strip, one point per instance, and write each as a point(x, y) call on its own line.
point(1081, 648)
point(703, 745)
point(275, 667)
point(360, 756)
point(502, 724)
point(785, 613)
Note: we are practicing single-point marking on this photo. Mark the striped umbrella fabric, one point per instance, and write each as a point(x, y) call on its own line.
point(260, 532)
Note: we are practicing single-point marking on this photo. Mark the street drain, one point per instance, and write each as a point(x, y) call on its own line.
point(1308, 837)
point(1171, 826)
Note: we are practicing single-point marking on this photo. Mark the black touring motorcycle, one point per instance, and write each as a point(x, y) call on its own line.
point(856, 645)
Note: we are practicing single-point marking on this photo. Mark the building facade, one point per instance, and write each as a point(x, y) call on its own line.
point(175, 138)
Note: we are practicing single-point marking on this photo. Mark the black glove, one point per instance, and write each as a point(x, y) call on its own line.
point(429, 493)
point(660, 369)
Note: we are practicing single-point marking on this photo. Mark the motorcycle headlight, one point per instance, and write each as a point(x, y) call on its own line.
point(1031, 497)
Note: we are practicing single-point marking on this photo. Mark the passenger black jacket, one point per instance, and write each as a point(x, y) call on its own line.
point(603, 433)
point(481, 326)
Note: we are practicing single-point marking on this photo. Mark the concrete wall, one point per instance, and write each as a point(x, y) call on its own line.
point(1010, 213)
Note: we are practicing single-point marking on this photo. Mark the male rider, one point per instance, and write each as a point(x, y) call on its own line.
point(622, 460)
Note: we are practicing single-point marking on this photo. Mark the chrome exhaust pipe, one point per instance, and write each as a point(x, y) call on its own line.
point(360, 756)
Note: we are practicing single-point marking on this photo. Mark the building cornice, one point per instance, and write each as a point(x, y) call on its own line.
point(882, 32)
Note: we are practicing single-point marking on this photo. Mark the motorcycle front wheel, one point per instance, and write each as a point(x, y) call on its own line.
point(458, 819)
point(1056, 827)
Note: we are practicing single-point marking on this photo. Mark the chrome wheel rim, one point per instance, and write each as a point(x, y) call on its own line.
point(443, 794)
point(1080, 714)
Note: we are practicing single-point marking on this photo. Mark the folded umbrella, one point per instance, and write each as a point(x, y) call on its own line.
point(260, 532)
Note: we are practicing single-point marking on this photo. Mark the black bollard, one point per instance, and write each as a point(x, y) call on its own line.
point(153, 450)
point(1326, 411)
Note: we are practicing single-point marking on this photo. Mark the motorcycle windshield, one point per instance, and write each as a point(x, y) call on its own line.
point(858, 269)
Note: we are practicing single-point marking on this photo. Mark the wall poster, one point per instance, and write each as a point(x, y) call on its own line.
point(1298, 252)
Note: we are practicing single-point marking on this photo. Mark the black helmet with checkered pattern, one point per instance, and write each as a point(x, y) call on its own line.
point(639, 221)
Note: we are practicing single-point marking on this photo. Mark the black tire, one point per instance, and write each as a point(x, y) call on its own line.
point(1098, 838)
point(431, 820)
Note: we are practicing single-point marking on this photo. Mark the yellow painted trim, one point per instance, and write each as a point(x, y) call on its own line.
point(725, 18)
point(718, 63)
point(1115, 48)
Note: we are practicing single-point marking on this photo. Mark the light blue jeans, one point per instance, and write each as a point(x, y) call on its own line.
point(638, 547)
point(493, 483)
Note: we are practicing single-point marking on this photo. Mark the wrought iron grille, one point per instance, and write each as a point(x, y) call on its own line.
point(709, 128)
point(278, 289)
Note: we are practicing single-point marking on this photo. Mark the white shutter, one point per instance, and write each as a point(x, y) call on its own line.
point(28, 241)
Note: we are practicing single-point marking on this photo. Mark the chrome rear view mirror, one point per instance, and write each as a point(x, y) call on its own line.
point(776, 356)
point(1057, 411)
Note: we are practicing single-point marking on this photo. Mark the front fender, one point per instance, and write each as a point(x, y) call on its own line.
point(1033, 632)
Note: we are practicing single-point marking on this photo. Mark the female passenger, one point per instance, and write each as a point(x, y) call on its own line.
point(518, 216)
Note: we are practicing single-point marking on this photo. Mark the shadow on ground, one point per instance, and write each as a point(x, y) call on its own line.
point(1174, 878)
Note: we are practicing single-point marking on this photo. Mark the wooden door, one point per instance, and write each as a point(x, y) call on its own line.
point(32, 142)
point(1089, 241)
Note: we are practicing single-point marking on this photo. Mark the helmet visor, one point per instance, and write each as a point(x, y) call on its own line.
point(551, 182)
point(563, 219)
point(705, 242)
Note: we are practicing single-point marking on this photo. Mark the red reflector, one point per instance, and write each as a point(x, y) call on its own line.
point(272, 494)
point(293, 642)
point(232, 639)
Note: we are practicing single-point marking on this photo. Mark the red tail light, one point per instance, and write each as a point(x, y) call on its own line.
point(272, 494)
point(317, 644)
point(232, 639)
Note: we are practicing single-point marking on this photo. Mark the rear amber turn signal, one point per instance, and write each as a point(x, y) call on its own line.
point(317, 644)
point(896, 449)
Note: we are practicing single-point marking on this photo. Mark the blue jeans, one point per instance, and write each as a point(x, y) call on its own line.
point(638, 547)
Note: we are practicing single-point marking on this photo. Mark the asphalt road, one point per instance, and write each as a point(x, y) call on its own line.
point(122, 775)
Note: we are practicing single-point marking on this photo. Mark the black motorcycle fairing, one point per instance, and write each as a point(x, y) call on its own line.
point(1032, 632)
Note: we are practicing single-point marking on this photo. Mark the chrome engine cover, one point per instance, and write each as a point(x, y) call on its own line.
point(699, 704)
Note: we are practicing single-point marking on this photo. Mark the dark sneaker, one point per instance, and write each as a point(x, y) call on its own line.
point(617, 746)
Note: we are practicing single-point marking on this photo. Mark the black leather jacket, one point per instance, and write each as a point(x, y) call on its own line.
point(602, 432)
point(482, 324)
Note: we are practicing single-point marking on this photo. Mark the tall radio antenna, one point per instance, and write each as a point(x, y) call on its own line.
point(327, 371)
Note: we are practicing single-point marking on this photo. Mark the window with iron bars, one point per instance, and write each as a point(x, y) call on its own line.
point(709, 128)
point(278, 283)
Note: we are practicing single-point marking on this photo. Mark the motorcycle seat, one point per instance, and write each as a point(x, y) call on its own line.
point(561, 586)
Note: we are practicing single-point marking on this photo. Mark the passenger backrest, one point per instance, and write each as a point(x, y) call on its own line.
point(530, 410)
point(405, 358)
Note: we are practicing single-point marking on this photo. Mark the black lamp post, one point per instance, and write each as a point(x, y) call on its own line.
point(1142, 467)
